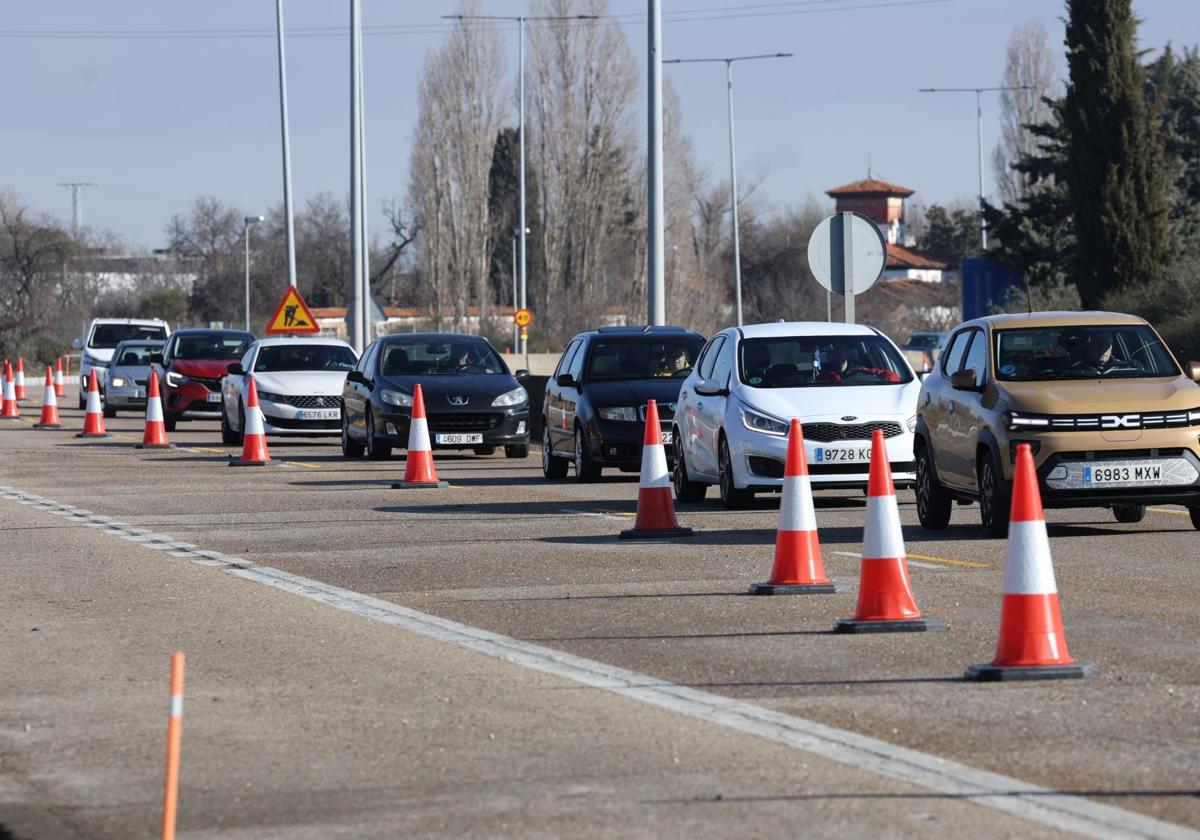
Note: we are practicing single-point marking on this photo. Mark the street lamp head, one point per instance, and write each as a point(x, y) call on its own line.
point(253, 220)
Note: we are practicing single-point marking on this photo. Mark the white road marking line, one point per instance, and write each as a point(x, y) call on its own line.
point(592, 513)
point(911, 562)
point(949, 778)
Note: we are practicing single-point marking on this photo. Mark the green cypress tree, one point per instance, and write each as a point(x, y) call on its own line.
point(1115, 169)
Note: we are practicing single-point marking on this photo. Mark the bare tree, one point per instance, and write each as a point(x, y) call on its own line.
point(1033, 65)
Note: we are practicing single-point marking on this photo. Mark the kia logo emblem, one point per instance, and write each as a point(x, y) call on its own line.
point(457, 400)
point(849, 417)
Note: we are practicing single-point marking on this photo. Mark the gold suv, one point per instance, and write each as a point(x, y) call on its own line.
point(1112, 419)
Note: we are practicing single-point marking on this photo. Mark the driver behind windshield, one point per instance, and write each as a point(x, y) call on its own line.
point(1093, 352)
point(673, 360)
point(837, 365)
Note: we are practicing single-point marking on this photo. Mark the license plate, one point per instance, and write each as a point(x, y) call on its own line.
point(1136, 474)
point(458, 438)
point(832, 456)
point(668, 438)
point(319, 414)
point(213, 398)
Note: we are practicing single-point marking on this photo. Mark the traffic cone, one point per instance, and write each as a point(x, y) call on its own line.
point(798, 568)
point(49, 419)
point(418, 468)
point(155, 436)
point(1032, 644)
point(20, 380)
point(93, 420)
point(59, 382)
point(885, 599)
point(254, 436)
point(655, 508)
point(9, 407)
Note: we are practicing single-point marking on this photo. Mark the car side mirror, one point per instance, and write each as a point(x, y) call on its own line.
point(964, 380)
point(356, 377)
point(77, 344)
point(565, 380)
point(521, 374)
point(1193, 371)
point(710, 389)
point(236, 369)
point(156, 358)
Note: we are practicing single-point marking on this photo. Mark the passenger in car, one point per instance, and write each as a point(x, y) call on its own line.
point(839, 365)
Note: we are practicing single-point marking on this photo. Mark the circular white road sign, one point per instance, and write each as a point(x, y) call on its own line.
point(847, 253)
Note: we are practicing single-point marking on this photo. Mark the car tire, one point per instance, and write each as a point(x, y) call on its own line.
point(586, 469)
point(1129, 513)
point(229, 436)
point(350, 447)
point(686, 490)
point(484, 450)
point(934, 504)
point(552, 465)
point(731, 497)
point(516, 450)
point(376, 450)
point(993, 497)
point(108, 413)
point(169, 421)
point(1194, 515)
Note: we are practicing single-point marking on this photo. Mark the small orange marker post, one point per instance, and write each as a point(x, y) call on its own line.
point(174, 734)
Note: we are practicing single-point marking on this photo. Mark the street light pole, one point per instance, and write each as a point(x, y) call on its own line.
point(247, 222)
point(733, 191)
point(979, 91)
point(287, 154)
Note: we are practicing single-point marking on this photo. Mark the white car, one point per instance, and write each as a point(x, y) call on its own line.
point(102, 337)
point(299, 383)
point(842, 381)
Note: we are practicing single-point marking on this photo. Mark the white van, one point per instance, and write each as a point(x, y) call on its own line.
point(102, 337)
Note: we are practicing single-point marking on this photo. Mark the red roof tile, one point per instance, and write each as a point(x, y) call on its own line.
point(899, 257)
point(870, 186)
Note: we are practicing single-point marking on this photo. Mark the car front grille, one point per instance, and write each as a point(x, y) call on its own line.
point(463, 422)
point(210, 384)
point(293, 423)
point(828, 432)
point(329, 401)
point(666, 412)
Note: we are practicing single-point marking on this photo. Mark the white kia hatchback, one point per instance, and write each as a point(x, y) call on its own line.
point(843, 381)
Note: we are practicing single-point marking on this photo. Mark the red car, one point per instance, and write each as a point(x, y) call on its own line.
point(191, 367)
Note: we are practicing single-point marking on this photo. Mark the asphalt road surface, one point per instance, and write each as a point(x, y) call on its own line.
point(489, 660)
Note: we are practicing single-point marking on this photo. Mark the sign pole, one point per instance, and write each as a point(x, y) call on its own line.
point(848, 264)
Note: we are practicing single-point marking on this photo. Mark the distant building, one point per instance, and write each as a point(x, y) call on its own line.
point(883, 203)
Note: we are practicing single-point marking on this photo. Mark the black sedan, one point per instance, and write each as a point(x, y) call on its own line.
point(472, 401)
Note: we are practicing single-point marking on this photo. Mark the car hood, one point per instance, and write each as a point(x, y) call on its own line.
point(202, 368)
point(1092, 396)
point(634, 392)
point(479, 390)
point(301, 382)
point(834, 403)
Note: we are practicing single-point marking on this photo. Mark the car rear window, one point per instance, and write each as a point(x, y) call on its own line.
point(219, 346)
point(1081, 352)
point(642, 357)
point(820, 361)
point(134, 355)
point(108, 336)
point(304, 357)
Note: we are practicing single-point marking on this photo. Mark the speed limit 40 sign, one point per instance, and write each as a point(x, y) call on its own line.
point(522, 317)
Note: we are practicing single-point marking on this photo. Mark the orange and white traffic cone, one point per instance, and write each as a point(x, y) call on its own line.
point(49, 419)
point(798, 567)
point(59, 382)
point(9, 408)
point(155, 435)
point(655, 508)
point(93, 420)
point(885, 599)
point(419, 472)
point(254, 435)
point(20, 380)
point(1032, 643)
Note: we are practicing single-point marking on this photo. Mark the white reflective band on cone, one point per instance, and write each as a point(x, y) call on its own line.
point(49, 398)
point(154, 411)
point(654, 467)
point(1028, 569)
point(882, 537)
point(254, 421)
point(10, 390)
point(796, 507)
point(93, 402)
point(418, 435)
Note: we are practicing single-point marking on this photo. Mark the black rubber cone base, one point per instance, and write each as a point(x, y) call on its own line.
point(905, 625)
point(656, 534)
point(1027, 673)
point(797, 588)
point(47, 425)
point(419, 485)
point(155, 446)
point(102, 435)
point(269, 463)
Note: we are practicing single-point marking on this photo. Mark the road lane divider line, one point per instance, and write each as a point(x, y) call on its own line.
point(592, 513)
point(950, 561)
point(1028, 801)
point(911, 562)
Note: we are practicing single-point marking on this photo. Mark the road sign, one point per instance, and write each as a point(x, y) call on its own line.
point(847, 254)
point(292, 315)
point(522, 318)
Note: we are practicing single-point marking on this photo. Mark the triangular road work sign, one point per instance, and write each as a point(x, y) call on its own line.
point(292, 315)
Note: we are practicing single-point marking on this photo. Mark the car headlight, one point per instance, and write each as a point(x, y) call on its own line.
point(516, 396)
point(911, 424)
point(756, 422)
point(174, 379)
point(628, 413)
point(270, 396)
point(117, 382)
point(398, 398)
point(1016, 421)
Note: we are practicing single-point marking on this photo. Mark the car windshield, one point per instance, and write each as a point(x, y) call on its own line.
point(1081, 352)
point(304, 357)
point(440, 357)
point(108, 336)
point(642, 357)
point(134, 355)
point(820, 361)
point(219, 346)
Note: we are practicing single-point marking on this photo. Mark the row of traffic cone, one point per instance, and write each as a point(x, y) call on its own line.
point(1032, 642)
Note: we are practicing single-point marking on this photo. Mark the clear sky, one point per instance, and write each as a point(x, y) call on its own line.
point(161, 117)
